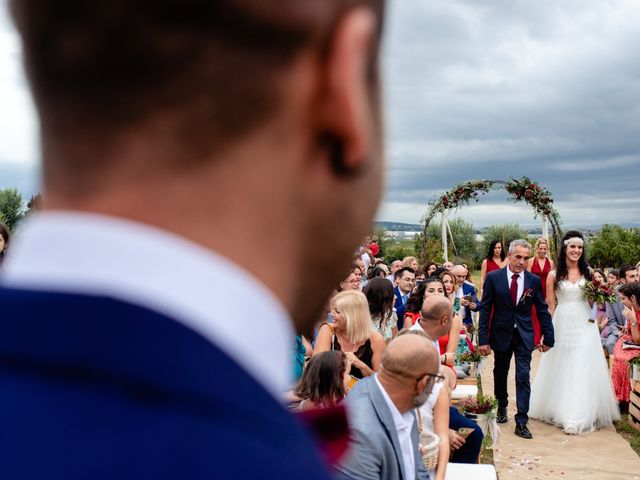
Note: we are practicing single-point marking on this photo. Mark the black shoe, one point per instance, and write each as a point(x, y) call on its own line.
point(501, 416)
point(522, 431)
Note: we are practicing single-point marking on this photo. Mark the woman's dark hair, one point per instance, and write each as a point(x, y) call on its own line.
point(427, 266)
point(561, 268)
point(492, 245)
point(6, 236)
point(438, 271)
point(380, 296)
point(631, 289)
point(322, 381)
point(416, 299)
point(597, 270)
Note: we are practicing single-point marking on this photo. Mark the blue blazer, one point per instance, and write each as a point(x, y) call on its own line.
point(506, 316)
point(468, 289)
point(400, 308)
point(376, 453)
point(96, 388)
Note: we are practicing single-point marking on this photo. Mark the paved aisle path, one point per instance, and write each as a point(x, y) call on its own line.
point(600, 455)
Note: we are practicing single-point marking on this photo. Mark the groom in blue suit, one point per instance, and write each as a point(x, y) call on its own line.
point(506, 328)
point(181, 141)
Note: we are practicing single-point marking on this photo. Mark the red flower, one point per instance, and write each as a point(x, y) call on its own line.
point(529, 194)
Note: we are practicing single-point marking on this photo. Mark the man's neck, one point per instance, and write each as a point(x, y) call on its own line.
point(430, 331)
point(403, 292)
point(394, 390)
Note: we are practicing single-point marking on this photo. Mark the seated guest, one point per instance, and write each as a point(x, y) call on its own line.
point(381, 412)
point(429, 268)
point(375, 272)
point(380, 297)
point(410, 262)
point(616, 320)
point(447, 343)
point(324, 382)
point(352, 332)
point(435, 321)
point(350, 282)
point(395, 266)
point(406, 280)
point(630, 297)
point(613, 277)
point(465, 293)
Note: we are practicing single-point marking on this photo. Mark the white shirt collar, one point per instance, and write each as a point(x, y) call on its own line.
point(403, 423)
point(153, 268)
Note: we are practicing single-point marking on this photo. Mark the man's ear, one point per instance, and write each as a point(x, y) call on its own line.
point(346, 116)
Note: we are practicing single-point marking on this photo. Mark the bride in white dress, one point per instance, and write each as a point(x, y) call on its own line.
point(572, 388)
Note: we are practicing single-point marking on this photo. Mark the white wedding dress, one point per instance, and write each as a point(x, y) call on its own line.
point(572, 388)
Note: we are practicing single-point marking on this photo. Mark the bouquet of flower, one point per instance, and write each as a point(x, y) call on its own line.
point(469, 356)
point(479, 405)
point(599, 292)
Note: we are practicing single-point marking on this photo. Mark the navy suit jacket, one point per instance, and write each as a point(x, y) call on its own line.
point(400, 308)
point(468, 289)
point(506, 316)
point(96, 388)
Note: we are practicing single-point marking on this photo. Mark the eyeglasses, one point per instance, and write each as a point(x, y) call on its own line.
point(434, 378)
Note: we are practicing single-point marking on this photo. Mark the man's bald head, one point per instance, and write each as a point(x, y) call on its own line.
point(435, 307)
point(460, 273)
point(407, 356)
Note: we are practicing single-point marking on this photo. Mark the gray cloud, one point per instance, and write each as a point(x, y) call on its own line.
point(510, 88)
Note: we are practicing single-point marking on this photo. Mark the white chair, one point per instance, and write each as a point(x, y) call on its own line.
point(465, 471)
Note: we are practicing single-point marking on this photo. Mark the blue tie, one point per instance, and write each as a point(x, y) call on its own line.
point(404, 299)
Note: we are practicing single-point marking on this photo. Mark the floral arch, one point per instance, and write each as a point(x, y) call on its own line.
point(523, 189)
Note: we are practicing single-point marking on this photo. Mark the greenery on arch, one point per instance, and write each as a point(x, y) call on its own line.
point(522, 189)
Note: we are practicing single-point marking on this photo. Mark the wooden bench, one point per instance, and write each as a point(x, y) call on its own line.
point(634, 405)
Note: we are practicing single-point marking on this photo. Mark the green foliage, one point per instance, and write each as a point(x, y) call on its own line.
point(397, 251)
point(34, 203)
point(464, 239)
point(11, 207)
point(505, 233)
point(614, 246)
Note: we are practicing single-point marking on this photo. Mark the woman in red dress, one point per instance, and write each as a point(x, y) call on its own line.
point(630, 297)
point(540, 265)
point(495, 260)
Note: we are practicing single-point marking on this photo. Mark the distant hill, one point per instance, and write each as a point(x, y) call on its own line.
point(397, 227)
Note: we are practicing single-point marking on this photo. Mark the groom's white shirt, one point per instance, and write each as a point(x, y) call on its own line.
point(520, 281)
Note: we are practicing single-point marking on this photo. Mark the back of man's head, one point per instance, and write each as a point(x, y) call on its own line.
point(407, 355)
point(196, 74)
point(436, 312)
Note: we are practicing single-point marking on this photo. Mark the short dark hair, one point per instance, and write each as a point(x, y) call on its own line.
point(99, 67)
point(401, 271)
point(624, 269)
point(615, 272)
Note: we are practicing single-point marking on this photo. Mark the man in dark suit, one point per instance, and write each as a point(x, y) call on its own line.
point(467, 294)
point(506, 328)
point(176, 135)
point(406, 279)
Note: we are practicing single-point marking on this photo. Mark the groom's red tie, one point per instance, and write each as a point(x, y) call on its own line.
point(514, 288)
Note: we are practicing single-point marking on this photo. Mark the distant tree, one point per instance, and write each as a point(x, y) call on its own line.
point(11, 207)
point(505, 233)
point(464, 241)
point(614, 246)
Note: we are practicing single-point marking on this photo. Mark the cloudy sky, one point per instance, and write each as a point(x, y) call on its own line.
point(474, 89)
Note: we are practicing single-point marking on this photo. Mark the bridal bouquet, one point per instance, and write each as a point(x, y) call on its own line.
point(597, 292)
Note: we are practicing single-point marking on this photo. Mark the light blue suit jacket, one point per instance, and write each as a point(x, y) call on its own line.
point(375, 449)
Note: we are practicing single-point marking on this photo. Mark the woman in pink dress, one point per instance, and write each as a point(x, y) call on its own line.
point(630, 297)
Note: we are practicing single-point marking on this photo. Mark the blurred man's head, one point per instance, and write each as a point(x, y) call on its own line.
point(447, 265)
point(153, 110)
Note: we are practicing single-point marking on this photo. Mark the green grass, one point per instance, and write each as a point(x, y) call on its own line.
point(626, 431)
